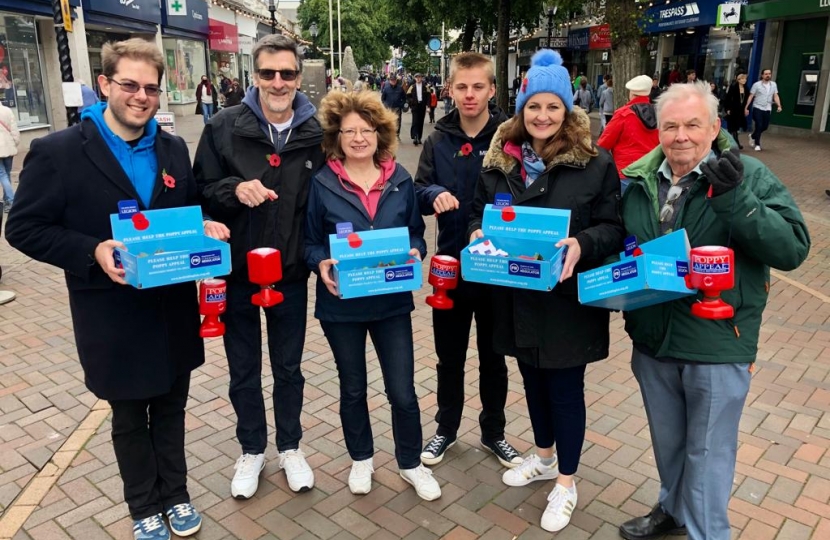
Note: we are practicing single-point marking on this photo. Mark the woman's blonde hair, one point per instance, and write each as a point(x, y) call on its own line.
point(566, 138)
point(366, 104)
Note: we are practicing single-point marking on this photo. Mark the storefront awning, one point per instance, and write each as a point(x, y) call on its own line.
point(776, 9)
point(32, 7)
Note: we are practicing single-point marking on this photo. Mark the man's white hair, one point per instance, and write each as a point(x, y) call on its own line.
point(684, 91)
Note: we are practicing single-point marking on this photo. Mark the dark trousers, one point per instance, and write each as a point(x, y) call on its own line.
point(452, 334)
point(432, 115)
point(285, 325)
point(392, 339)
point(398, 112)
point(556, 404)
point(760, 121)
point(608, 118)
point(419, 112)
point(148, 439)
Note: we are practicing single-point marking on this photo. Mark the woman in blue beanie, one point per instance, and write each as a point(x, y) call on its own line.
point(544, 157)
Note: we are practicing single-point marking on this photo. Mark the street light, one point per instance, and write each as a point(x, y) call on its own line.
point(551, 13)
point(477, 35)
point(273, 9)
point(313, 31)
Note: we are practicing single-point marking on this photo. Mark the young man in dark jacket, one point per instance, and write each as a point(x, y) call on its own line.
point(254, 164)
point(137, 347)
point(445, 183)
point(393, 97)
point(695, 373)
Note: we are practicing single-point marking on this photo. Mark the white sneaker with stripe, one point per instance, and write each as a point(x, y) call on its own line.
point(561, 504)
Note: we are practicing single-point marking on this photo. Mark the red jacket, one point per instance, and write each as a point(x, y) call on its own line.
point(626, 135)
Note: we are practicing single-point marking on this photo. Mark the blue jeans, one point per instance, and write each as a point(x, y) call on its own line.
point(556, 406)
point(285, 324)
point(447, 105)
point(207, 111)
point(693, 414)
point(6, 179)
point(392, 339)
point(760, 121)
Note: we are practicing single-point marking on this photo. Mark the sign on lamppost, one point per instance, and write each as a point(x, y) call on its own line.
point(67, 15)
point(728, 14)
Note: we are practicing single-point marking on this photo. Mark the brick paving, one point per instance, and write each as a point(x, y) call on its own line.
point(781, 486)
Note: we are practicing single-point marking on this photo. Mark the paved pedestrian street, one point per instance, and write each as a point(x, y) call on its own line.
point(59, 479)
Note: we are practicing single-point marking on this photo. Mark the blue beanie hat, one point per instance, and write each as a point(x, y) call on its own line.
point(546, 74)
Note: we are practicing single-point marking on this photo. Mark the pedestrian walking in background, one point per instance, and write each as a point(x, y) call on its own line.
point(433, 103)
point(361, 184)
point(448, 171)
point(418, 98)
point(137, 347)
point(235, 95)
point(393, 97)
point(253, 166)
point(446, 98)
point(734, 105)
point(9, 143)
point(583, 96)
point(762, 95)
point(632, 133)
point(606, 103)
point(655, 91)
point(89, 96)
point(207, 98)
point(694, 373)
point(544, 157)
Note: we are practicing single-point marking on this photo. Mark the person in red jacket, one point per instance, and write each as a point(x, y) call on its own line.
point(632, 132)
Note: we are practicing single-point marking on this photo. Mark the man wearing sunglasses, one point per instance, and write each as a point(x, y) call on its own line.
point(137, 347)
point(694, 373)
point(254, 164)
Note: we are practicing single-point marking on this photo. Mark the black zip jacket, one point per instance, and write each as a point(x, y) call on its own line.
point(233, 149)
point(444, 167)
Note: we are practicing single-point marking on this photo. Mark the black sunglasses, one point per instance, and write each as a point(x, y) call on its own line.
point(131, 87)
point(285, 74)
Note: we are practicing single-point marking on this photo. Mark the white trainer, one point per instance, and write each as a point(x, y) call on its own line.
point(422, 480)
point(246, 478)
point(360, 478)
point(757, 147)
point(561, 504)
point(299, 474)
point(530, 470)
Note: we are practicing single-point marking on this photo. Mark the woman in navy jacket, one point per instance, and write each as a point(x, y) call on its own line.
point(362, 184)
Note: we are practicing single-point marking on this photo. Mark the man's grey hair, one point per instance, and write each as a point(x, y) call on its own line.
point(274, 43)
point(684, 91)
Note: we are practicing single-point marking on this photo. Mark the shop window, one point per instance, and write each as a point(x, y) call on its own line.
point(185, 62)
point(22, 86)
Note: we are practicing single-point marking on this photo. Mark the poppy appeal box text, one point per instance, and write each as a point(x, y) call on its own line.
point(166, 246)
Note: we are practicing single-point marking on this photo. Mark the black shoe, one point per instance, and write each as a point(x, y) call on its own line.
point(827, 191)
point(504, 451)
point(656, 524)
point(435, 449)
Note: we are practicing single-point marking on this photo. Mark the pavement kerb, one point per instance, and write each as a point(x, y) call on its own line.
point(37, 488)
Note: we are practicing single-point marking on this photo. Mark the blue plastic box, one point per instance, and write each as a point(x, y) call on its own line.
point(656, 276)
point(519, 230)
point(171, 249)
point(370, 263)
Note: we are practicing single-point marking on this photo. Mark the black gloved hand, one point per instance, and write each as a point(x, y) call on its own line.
point(724, 173)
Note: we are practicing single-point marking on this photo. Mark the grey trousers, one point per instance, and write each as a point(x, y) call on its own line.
point(693, 414)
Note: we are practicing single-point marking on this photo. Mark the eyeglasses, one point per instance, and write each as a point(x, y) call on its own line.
point(131, 87)
point(667, 211)
point(285, 74)
point(350, 133)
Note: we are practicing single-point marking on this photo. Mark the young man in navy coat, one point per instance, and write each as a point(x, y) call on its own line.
point(137, 347)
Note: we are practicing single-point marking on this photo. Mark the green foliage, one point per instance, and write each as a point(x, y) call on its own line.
point(362, 27)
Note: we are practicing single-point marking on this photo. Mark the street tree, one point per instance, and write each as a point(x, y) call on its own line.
point(625, 19)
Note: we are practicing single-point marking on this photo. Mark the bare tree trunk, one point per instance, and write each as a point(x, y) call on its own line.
point(467, 38)
point(502, 39)
point(625, 64)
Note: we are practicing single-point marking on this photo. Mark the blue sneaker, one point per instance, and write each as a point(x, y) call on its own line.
point(184, 519)
point(151, 528)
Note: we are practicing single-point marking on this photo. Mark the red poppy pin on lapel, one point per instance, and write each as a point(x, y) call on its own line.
point(273, 159)
point(466, 150)
point(169, 181)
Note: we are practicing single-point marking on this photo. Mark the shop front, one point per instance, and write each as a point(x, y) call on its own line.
point(185, 32)
point(599, 53)
point(24, 84)
point(106, 20)
point(797, 48)
point(224, 54)
point(687, 38)
point(579, 45)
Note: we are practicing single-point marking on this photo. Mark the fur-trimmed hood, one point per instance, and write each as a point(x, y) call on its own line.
point(497, 158)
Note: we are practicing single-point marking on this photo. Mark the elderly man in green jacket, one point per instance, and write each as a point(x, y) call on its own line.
point(694, 373)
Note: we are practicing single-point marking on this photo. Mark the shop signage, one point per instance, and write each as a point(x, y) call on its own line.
point(141, 10)
point(578, 39)
point(774, 9)
point(189, 15)
point(166, 121)
point(555, 43)
point(665, 18)
point(223, 37)
point(729, 14)
point(600, 37)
